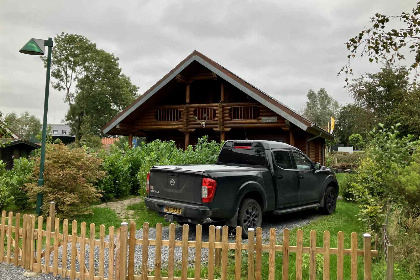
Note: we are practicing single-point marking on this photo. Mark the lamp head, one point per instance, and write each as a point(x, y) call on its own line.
point(34, 47)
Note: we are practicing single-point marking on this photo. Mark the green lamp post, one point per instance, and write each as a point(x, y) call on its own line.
point(37, 47)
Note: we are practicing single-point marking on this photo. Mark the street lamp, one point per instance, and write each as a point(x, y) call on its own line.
point(37, 47)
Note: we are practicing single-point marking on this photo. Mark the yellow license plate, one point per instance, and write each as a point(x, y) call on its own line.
point(172, 210)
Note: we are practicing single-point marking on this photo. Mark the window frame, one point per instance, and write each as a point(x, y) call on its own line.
point(292, 162)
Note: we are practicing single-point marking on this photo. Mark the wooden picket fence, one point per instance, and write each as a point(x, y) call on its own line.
point(61, 253)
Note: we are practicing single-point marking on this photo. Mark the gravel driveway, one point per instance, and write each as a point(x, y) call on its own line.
point(273, 221)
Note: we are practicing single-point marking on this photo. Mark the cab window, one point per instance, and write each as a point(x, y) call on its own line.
point(302, 162)
point(282, 159)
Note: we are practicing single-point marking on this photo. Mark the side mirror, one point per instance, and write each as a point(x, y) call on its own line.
point(317, 166)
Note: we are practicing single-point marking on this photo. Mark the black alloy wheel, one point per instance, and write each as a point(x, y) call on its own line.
point(250, 216)
point(330, 201)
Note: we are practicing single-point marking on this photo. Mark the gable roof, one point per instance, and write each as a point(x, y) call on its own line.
point(9, 133)
point(233, 79)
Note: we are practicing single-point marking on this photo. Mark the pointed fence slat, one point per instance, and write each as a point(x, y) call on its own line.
point(272, 255)
point(82, 250)
point(312, 255)
point(198, 235)
point(24, 244)
point(211, 253)
point(117, 255)
point(158, 251)
point(38, 267)
point(299, 251)
point(367, 256)
point(73, 250)
point(48, 246)
point(340, 255)
point(251, 270)
point(238, 253)
point(184, 262)
point(32, 244)
point(285, 269)
point(258, 254)
point(2, 234)
point(16, 247)
point(9, 237)
point(326, 268)
point(92, 251)
point(102, 251)
point(65, 242)
point(132, 250)
point(56, 241)
point(111, 251)
point(123, 251)
point(171, 253)
point(353, 256)
point(145, 251)
point(218, 253)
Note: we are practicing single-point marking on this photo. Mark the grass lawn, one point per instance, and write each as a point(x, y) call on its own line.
point(142, 215)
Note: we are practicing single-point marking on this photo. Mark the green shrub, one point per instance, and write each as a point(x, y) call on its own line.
point(127, 168)
point(69, 178)
point(5, 197)
point(12, 183)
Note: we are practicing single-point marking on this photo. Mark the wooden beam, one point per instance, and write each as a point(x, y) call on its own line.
point(222, 92)
point(222, 136)
point(204, 76)
point(291, 138)
point(182, 79)
point(187, 140)
point(187, 94)
point(130, 140)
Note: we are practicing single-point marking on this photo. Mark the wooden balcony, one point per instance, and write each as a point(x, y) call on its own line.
point(217, 116)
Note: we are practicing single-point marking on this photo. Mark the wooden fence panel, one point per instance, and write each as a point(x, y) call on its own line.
point(33, 253)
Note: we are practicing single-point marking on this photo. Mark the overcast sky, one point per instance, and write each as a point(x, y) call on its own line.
point(284, 48)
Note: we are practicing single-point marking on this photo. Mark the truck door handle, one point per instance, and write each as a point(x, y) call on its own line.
point(280, 177)
point(301, 177)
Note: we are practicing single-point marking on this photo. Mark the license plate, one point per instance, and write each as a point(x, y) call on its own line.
point(172, 210)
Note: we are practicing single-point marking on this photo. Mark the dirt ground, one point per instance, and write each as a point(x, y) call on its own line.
point(120, 207)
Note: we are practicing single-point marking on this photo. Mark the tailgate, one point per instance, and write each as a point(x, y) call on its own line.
point(176, 185)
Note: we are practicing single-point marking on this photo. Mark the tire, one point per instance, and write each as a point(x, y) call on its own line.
point(249, 216)
point(330, 201)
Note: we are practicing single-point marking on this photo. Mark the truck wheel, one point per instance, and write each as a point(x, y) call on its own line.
point(250, 216)
point(330, 201)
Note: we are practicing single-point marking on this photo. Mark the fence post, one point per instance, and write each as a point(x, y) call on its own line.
point(123, 251)
point(384, 240)
point(390, 263)
point(52, 214)
point(367, 256)
point(218, 254)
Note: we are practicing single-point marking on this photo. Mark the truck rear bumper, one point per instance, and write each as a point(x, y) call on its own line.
point(189, 211)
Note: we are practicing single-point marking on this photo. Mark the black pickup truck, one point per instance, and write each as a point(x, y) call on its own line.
point(250, 178)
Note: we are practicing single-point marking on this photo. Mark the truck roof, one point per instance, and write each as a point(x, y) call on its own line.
point(267, 144)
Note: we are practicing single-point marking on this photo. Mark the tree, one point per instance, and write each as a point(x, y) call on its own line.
point(353, 118)
point(356, 140)
point(26, 126)
point(320, 107)
point(96, 90)
point(383, 43)
point(389, 97)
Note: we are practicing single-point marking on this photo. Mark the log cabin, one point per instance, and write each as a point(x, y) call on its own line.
point(200, 97)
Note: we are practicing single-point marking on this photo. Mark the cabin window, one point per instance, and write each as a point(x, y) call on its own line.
point(205, 114)
point(168, 115)
point(244, 112)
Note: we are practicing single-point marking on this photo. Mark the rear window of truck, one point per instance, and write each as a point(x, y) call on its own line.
point(243, 155)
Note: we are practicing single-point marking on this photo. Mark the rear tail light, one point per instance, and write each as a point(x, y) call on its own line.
point(242, 147)
point(208, 190)
point(148, 182)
